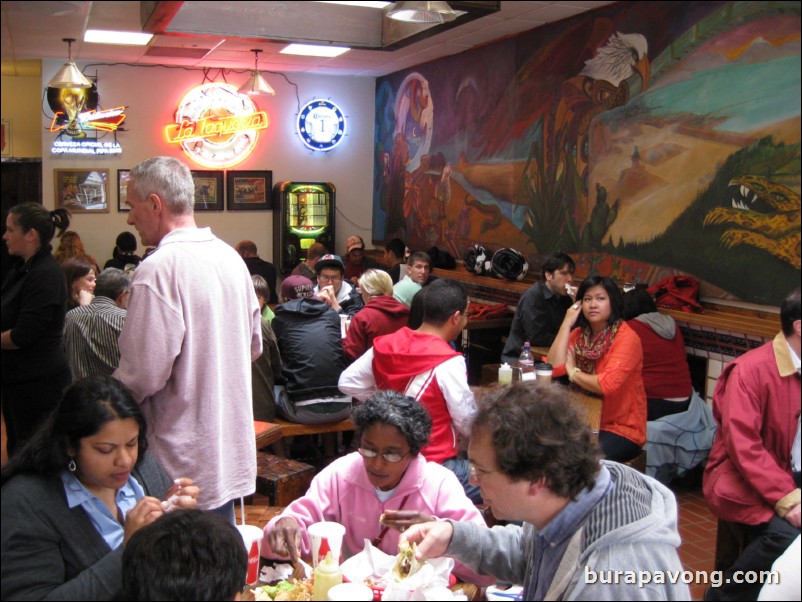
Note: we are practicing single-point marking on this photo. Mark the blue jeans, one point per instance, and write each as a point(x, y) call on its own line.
point(459, 466)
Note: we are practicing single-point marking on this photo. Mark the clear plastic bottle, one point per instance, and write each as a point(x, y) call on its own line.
point(327, 574)
point(526, 359)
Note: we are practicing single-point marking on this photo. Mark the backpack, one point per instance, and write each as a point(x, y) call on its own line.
point(677, 292)
point(441, 259)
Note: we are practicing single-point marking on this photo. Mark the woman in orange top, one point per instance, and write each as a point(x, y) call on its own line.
point(603, 355)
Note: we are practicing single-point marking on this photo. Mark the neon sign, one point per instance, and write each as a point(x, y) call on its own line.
point(108, 121)
point(321, 125)
point(216, 126)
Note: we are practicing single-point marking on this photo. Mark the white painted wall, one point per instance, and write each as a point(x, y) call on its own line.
point(152, 95)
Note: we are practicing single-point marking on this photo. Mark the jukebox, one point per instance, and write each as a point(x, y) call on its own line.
point(304, 215)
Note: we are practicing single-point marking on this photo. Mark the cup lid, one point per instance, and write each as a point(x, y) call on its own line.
point(543, 366)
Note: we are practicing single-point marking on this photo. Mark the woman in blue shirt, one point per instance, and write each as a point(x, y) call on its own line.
point(74, 495)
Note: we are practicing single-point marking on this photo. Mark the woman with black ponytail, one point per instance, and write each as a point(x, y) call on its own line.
point(34, 297)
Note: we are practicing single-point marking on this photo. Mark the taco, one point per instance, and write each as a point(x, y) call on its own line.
point(405, 563)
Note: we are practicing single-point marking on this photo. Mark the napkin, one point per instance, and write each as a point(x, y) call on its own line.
point(372, 563)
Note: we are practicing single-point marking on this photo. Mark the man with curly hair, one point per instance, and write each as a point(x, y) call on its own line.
point(591, 530)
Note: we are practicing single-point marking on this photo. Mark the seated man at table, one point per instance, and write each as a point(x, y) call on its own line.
point(753, 473)
point(379, 490)
point(91, 332)
point(185, 555)
point(258, 266)
point(310, 344)
point(591, 530)
point(307, 268)
point(332, 288)
point(266, 369)
point(422, 364)
point(419, 269)
point(394, 251)
point(542, 307)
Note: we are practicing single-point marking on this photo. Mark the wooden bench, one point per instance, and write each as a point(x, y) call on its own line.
point(282, 480)
point(292, 429)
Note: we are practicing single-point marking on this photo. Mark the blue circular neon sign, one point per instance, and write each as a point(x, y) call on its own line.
point(321, 125)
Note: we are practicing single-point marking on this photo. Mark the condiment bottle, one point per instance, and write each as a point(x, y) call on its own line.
point(505, 374)
point(327, 574)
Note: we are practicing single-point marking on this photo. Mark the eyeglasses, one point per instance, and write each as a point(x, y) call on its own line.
point(391, 458)
point(476, 472)
point(322, 278)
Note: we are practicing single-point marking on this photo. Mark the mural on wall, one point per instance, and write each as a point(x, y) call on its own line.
point(641, 140)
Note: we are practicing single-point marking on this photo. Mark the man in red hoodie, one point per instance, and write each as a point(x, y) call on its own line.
point(422, 364)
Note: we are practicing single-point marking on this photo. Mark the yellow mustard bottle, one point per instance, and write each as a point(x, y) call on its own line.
point(327, 574)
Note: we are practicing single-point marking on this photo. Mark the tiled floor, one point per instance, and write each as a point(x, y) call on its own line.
point(697, 527)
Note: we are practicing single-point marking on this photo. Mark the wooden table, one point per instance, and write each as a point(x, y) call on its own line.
point(266, 433)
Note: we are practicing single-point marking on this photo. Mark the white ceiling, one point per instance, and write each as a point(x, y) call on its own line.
point(34, 30)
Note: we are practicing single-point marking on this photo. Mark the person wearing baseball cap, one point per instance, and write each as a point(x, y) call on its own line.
point(332, 288)
point(358, 262)
point(311, 349)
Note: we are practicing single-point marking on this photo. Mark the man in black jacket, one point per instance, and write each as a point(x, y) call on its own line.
point(310, 344)
point(258, 266)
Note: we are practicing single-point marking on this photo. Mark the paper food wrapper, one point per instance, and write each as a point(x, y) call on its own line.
point(372, 565)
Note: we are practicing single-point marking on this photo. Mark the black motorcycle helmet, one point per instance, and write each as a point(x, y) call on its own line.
point(509, 264)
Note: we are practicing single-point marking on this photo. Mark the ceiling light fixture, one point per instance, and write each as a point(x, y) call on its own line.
point(69, 76)
point(314, 50)
point(422, 12)
point(122, 38)
point(256, 84)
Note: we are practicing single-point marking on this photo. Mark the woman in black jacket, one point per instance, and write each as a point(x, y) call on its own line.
point(34, 296)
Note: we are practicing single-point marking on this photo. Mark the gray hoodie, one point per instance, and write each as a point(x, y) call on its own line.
point(632, 530)
point(664, 326)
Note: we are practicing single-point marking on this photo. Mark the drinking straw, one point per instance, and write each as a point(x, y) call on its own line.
point(242, 509)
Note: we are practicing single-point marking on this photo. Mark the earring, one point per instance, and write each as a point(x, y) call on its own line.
point(72, 466)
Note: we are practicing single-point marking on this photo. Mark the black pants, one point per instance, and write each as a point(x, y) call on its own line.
point(26, 406)
point(617, 448)
point(771, 539)
point(657, 408)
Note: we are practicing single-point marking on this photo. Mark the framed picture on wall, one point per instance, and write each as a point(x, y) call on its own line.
point(249, 190)
point(208, 190)
point(6, 137)
point(122, 190)
point(82, 190)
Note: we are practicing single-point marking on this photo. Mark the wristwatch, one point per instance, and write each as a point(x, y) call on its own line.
point(572, 374)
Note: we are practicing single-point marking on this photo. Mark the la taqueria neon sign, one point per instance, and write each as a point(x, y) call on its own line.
point(216, 126)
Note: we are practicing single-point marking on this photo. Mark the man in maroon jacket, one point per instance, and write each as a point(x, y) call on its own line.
point(753, 473)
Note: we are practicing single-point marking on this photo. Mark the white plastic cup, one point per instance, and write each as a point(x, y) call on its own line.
point(543, 372)
point(350, 591)
point(252, 538)
point(326, 536)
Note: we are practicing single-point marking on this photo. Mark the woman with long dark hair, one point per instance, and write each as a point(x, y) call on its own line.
point(34, 295)
point(76, 492)
point(81, 281)
point(603, 355)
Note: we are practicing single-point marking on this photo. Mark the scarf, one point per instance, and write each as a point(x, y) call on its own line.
point(589, 349)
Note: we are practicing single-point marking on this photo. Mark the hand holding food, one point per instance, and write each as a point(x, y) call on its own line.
point(406, 564)
point(182, 494)
point(432, 539)
point(401, 519)
point(285, 537)
point(147, 510)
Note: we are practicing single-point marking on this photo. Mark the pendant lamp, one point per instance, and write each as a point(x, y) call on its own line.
point(422, 12)
point(69, 76)
point(256, 84)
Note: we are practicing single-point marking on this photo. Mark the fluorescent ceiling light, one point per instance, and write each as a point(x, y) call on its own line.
point(364, 4)
point(312, 50)
point(125, 38)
